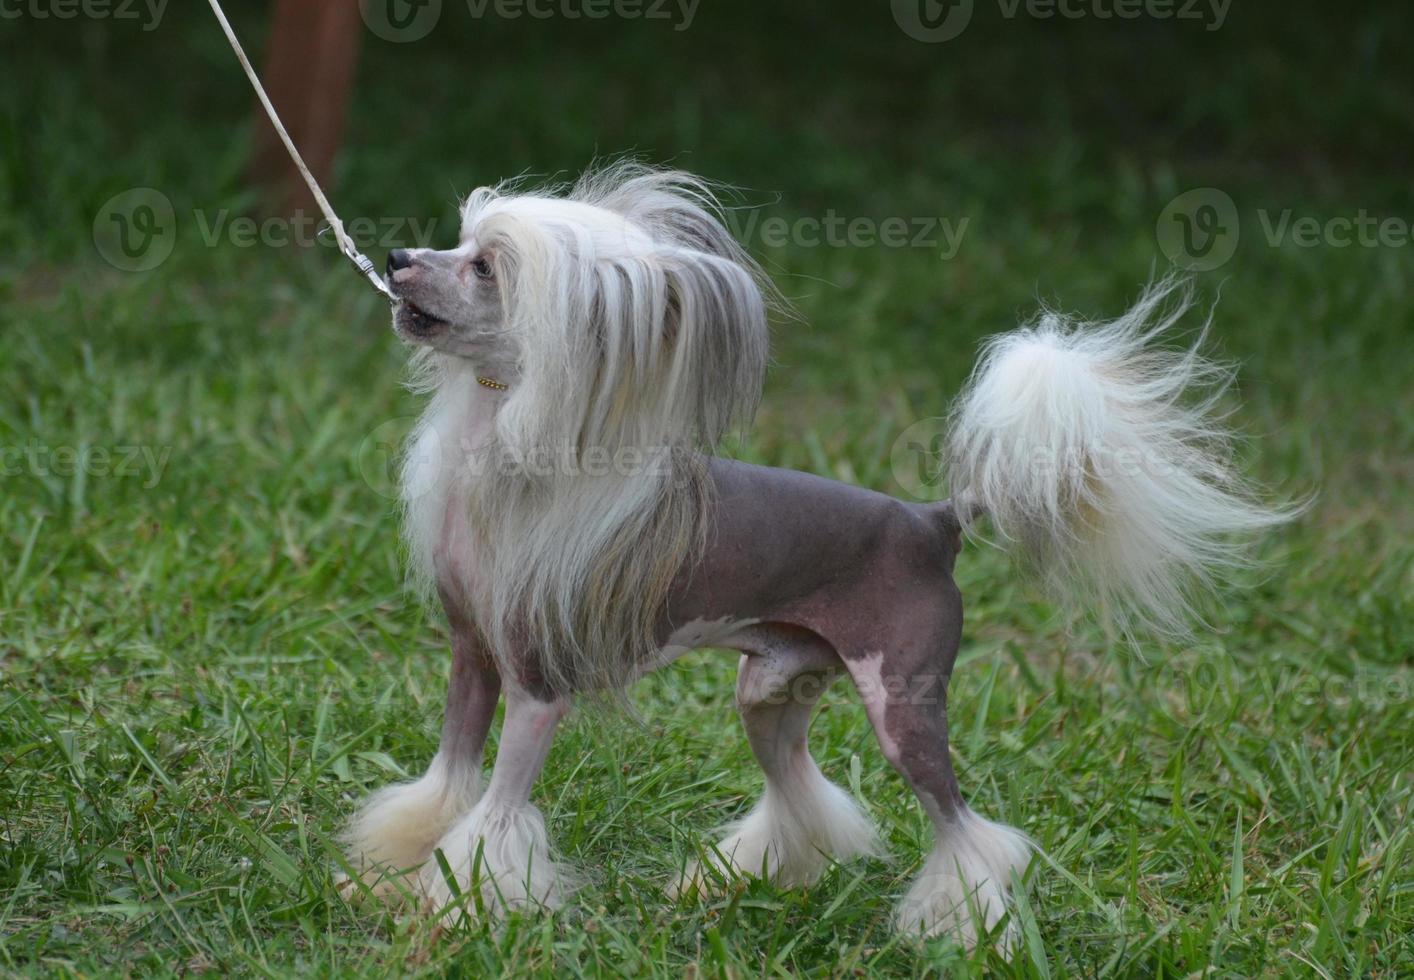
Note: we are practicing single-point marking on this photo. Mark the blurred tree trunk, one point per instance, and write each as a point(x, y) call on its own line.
point(309, 73)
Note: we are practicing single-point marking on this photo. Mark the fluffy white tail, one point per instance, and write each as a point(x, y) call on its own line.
point(1105, 458)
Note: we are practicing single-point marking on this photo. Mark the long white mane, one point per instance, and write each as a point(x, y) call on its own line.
point(642, 329)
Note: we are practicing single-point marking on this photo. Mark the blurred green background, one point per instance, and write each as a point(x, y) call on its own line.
point(207, 661)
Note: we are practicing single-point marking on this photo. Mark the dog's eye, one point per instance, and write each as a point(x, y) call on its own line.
point(482, 268)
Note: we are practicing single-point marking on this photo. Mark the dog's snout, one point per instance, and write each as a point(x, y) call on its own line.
point(398, 258)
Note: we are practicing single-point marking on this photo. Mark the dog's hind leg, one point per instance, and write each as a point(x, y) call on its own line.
point(802, 820)
point(962, 889)
point(397, 827)
point(499, 850)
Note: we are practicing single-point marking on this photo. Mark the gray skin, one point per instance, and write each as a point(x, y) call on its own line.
point(838, 579)
point(850, 575)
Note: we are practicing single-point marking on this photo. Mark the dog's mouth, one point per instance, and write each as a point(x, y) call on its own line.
point(417, 322)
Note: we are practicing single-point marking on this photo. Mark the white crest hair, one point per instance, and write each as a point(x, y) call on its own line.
point(643, 335)
point(1106, 459)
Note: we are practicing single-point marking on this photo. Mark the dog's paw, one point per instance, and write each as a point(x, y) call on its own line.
point(943, 906)
point(699, 881)
point(383, 886)
point(394, 831)
point(962, 891)
point(748, 850)
point(496, 859)
point(790, 837)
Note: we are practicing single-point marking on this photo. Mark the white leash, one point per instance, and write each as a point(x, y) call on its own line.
point(346, 244)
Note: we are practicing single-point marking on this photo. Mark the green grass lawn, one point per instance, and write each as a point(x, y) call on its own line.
point(208, 655)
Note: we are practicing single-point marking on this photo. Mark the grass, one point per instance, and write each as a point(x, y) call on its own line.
point(208, 656)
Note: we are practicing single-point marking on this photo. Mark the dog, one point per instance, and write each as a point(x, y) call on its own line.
point(585, 349)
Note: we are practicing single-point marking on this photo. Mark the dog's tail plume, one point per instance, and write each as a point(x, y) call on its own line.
point(1105, 458)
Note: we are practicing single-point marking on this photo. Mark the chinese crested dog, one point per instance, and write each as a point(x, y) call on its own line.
point(584, 352)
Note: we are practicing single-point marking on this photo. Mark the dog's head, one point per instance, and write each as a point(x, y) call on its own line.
point(621, 313)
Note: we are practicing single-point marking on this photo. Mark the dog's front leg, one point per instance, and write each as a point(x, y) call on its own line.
point(498, 855)
point(397, 827)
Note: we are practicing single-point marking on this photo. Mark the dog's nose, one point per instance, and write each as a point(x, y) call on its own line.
point(398, 258)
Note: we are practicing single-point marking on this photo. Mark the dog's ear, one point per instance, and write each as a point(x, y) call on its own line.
point(680, 341)
point(716, 333)
point(703, 365)
point(644, 325)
